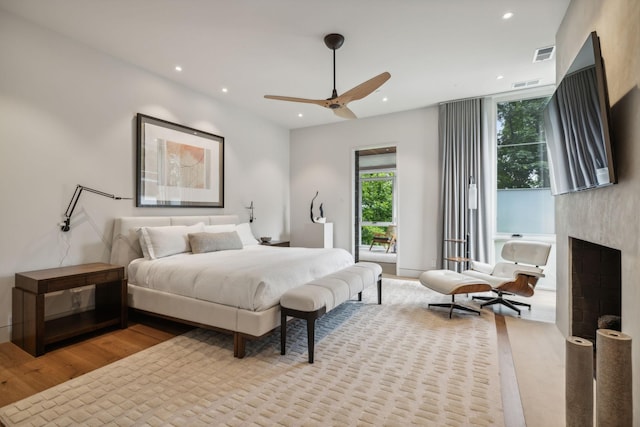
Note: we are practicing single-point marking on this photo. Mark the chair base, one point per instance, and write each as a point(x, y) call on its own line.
point(503, 301)
point(453, 305)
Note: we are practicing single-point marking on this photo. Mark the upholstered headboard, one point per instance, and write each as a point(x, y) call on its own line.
point(125, 246)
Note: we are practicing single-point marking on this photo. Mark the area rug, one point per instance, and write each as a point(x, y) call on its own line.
point(398, 363)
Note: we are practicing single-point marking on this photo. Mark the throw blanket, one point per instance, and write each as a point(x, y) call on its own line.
point(252, 278)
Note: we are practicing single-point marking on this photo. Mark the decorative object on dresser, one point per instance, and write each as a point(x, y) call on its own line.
point(319, 219)
point(178, 166)
point(32, 332)
point(66, 225)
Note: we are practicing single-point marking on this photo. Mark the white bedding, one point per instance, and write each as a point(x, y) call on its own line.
point(252, 278)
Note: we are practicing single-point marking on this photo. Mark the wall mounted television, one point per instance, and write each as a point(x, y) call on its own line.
point(576, 121)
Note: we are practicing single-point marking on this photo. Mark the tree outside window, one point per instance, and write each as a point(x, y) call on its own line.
point(522, 149)
point(524, 200)
point(376, 204)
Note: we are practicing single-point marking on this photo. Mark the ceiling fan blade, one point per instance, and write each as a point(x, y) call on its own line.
point(339, 103)
point(363, 89)
point(344, 112)
point(321, 102)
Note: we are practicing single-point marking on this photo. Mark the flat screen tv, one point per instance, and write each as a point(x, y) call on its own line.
point(576, 121)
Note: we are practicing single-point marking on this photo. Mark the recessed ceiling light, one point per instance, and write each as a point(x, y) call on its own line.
point(225, 90)
point(385, 99)
point(500, 77)
point(300, 114)
point(178, 68)
point(507, 15)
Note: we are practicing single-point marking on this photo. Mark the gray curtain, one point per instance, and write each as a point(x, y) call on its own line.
point(462, 157)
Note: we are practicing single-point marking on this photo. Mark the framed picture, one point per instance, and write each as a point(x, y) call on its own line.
point(178, 166)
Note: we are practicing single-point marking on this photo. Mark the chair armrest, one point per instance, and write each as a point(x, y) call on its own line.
point(529, 273)
point(481, 267)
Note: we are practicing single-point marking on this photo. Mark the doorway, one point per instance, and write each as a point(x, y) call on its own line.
point(376, 207)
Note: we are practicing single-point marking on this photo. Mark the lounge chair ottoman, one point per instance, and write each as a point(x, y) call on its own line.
point(449, 282)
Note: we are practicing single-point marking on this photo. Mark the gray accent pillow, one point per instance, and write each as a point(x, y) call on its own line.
point(211, 242)
point(159, 242)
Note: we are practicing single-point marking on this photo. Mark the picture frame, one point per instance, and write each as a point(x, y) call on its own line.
point(178, 166)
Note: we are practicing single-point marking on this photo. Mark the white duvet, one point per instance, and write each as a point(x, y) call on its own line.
point(252, 278)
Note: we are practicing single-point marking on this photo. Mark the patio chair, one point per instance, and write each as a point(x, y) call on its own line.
point(387, 239)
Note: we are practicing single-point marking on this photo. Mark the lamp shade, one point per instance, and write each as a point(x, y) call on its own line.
point(473, 196)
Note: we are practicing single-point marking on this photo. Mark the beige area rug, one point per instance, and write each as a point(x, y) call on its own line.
point(394, 364)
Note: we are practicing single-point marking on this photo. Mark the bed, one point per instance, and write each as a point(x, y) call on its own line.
point(235, 289)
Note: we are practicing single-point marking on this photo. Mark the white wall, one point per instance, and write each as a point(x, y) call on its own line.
point(607, 216)
point(67, 117)
point(322, 159)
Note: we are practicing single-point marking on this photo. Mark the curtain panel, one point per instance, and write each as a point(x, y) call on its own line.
point(461, 138)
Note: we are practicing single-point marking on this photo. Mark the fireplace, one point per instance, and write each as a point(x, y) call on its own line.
point(595, 286)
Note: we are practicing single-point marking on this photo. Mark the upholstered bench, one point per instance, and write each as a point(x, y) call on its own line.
point(313, 299)
point(449, 282)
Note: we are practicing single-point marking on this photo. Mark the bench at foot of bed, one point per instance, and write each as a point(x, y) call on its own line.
point(312, 300)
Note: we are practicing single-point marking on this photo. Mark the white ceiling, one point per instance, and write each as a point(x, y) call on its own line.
point(435, 50)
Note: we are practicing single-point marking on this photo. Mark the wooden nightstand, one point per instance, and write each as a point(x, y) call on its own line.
point(30, 330)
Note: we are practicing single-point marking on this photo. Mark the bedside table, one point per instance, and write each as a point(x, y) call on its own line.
point(30, 330)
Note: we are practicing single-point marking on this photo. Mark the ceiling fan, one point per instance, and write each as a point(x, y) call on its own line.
point(339, 103)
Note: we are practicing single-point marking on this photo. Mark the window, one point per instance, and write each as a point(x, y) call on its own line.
point(524, 201)
point(376, 203)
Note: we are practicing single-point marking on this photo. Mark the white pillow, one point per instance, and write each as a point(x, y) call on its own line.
point(158, 242)
point(219, 228)
point(244, 231)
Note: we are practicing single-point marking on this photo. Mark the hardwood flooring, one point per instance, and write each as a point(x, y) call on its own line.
point(22, 375)
point(511, 401)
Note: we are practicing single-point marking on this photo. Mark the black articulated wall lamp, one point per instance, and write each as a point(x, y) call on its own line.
point(250, 207)
point(66, 225)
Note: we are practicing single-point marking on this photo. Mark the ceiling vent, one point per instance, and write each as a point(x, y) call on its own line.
point(523, 85)
point(543, 54)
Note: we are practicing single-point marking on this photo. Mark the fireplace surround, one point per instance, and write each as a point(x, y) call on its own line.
point(596, 285)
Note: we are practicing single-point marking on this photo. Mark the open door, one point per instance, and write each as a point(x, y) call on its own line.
point(376, 204)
